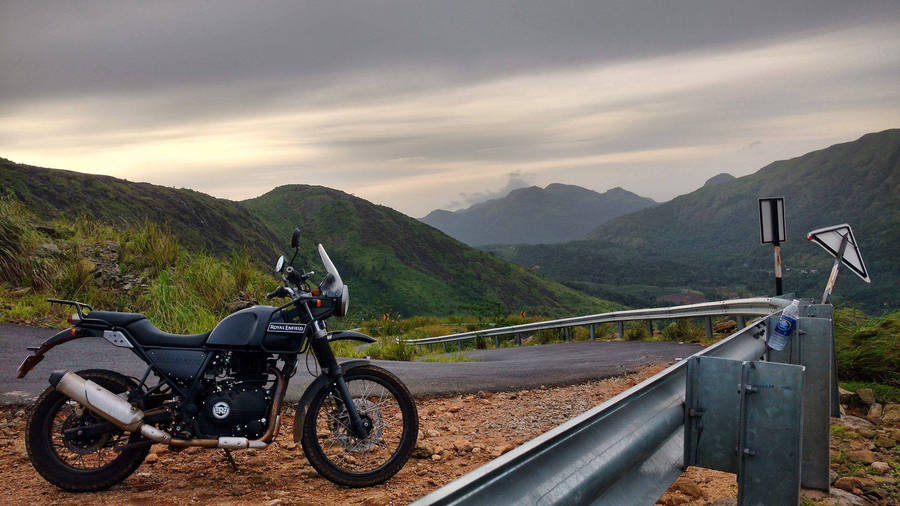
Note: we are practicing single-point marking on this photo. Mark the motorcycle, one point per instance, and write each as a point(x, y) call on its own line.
point(357, 423)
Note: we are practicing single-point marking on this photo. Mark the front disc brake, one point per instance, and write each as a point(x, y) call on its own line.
point(370, 414)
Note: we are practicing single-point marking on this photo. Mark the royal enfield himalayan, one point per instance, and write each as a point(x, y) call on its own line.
point(357, 423)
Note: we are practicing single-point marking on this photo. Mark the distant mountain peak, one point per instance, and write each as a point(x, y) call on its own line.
point(558, 212)
point(719, 179)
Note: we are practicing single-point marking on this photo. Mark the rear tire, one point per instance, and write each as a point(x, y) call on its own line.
point(385, 404)
point(56, 457)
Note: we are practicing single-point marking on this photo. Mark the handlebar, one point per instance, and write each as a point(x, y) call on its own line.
point(278, 292)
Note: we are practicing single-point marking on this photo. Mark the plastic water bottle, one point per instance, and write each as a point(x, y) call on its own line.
point(785, 326)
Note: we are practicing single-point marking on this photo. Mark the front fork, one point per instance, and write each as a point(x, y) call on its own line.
point(335, 373)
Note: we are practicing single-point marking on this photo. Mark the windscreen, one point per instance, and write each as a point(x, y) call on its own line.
point(332, 284)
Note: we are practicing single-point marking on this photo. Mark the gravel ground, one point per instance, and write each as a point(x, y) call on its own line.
point(457, 434)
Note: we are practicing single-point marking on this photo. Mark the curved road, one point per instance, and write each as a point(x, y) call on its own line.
point(495, 370)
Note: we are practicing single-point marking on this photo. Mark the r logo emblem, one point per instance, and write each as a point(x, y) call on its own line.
point(220, 410)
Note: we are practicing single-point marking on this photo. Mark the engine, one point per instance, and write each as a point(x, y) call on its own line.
point(236, 402)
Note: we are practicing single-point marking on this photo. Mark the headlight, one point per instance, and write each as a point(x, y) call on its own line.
point(345, 302)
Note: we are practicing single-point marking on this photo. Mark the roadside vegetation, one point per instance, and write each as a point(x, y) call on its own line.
point(142, 269)
point(145, 269)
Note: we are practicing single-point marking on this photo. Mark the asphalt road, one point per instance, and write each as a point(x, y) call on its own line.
point(495, 370)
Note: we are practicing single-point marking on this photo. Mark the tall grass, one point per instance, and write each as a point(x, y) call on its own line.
point(241, 269)
point(18, 241)
point(185, 292)
point(152, 247)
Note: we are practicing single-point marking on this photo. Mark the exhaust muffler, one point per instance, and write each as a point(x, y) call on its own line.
point(127, 417)
point(106, 404)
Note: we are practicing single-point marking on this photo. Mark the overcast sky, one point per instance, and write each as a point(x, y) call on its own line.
point(419, 105)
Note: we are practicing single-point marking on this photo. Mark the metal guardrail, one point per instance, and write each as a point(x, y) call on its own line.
point(627, 450)
point(757, 306)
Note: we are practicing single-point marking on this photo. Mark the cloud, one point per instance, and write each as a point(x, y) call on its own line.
point(412, 134)
point(753, 145)
point(516, 179)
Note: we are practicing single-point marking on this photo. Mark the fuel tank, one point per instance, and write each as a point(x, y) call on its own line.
point(257, 328)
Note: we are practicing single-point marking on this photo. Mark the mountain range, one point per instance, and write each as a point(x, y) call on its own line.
point(708, 240)
point(702, 245)
point(391, 262)
point(534, 215)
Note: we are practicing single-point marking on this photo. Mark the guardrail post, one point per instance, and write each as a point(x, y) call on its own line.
point(445, 346)
point(567, 334)
point(741, 321)
point(709, 328)
point(496, 341)
point(650, 327)
point(761, 419)
point(518, 339)
point(812, 347)
point(430, 348)
point(621, 330)
point(591, 327)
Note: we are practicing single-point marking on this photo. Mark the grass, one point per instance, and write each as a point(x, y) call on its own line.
point(885, 394)
point(868, 348)
point(182, 291)
point(188, 292)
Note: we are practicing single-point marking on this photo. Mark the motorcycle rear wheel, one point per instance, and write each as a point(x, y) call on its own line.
point(387, 409)
point(79, 464)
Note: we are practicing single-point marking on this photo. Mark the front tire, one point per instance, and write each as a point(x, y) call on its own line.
point(80, 464)
point(386, 407)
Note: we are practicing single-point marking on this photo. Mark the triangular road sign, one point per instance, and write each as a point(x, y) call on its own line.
point(830, 238)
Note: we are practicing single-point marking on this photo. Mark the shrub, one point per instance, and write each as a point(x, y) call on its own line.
point(682, 330)
point(388, 348)
point(870, 350)
point(638, 333)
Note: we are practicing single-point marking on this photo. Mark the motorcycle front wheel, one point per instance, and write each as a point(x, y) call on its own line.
point(389, 414)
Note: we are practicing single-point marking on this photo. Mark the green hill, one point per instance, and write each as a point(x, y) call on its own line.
point(394, 263)
point(533, 215)
point(709, 239)
point(199, 221)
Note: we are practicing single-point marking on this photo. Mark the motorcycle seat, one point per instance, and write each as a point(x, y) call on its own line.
point(145, 333)
point(115, 318)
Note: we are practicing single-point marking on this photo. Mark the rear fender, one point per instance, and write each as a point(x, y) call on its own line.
point(37, 354)
point(311, 390)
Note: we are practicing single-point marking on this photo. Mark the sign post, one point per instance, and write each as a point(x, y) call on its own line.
point(839, 241)
point(772, 231)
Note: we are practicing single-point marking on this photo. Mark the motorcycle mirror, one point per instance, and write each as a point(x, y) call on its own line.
point(295, 238)
point(279, 264)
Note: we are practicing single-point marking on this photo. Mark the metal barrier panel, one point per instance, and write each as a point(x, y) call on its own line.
point(812, 347)
point(771, 428)
point(626, 451)
point(713, 404)
point(745, 418)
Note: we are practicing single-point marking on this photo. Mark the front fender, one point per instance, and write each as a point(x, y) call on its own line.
point(350, 335)
point(318, 384)
point(59, 338)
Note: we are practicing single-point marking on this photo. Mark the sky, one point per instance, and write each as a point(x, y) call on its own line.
point(421, 105)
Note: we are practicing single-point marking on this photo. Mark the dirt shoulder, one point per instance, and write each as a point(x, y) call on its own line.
point(457, 435)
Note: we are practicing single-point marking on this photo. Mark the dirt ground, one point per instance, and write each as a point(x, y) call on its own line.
point(457, 434)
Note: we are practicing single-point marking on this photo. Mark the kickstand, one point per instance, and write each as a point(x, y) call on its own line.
point(230, 459)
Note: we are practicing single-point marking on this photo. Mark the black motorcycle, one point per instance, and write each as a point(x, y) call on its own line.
point(357, 423)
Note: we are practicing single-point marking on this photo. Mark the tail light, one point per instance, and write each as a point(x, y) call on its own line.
point(73, 320)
